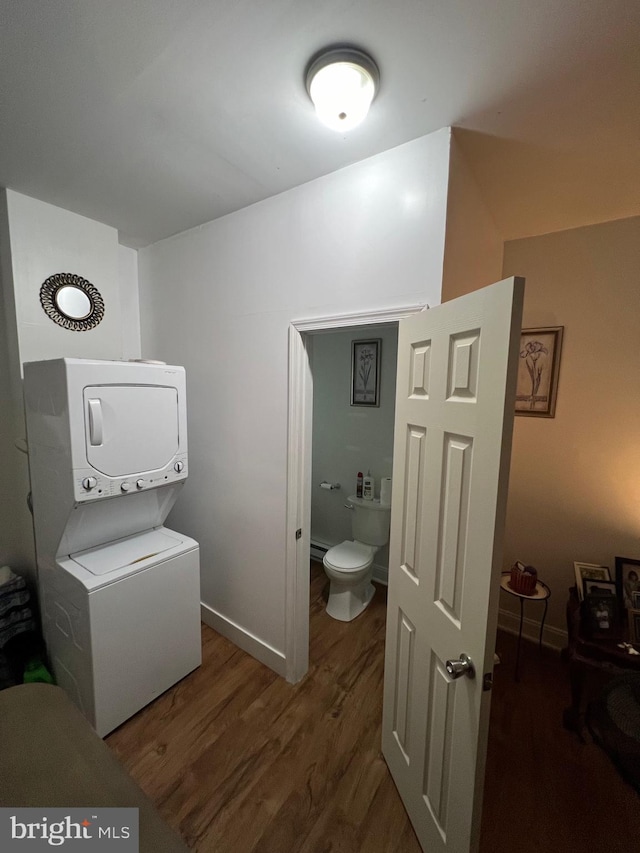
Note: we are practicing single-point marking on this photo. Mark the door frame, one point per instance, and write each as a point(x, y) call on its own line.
point(299, 445)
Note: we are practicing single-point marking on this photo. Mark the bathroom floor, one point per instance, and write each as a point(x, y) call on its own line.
point(238, 761)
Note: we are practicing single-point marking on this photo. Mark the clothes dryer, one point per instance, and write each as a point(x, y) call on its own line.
point(120, 596)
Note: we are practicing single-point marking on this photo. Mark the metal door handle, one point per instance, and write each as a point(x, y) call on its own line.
point(463, 666)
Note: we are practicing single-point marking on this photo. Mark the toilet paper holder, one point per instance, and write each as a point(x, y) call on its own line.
point(325, 485)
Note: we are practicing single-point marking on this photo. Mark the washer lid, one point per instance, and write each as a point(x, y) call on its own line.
point(125, 552)
point(349, 556)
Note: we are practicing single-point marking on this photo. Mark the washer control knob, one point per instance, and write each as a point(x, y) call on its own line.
point(125, 487)
point(178, 467)
point(140, 484)
point(89, 483)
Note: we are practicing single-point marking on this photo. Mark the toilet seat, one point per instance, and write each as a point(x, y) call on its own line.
point(349, 556)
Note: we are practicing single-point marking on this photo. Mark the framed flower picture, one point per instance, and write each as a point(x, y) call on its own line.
point(365, 372)
point(538, 368)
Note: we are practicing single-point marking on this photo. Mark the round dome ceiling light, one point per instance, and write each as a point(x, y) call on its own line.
point(342, 83)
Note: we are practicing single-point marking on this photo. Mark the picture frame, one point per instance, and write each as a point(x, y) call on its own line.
point(627, 579)
point(365, 372)
point(601, 617)
point(589, 571)
point(635, 600)
point(591, 587)
point(634, 626)
point(538, 370)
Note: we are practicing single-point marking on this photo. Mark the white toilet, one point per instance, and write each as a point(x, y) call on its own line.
point(348, 565)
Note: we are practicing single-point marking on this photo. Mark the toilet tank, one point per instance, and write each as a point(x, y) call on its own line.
point(370, 521)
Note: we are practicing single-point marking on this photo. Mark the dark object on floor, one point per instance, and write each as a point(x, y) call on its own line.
point(51, 757)
point(613, 721)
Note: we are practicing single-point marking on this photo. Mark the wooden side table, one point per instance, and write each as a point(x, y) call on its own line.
point(584, 655)
point(542, 593)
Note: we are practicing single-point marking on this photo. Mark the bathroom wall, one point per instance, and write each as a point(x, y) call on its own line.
point(346, 438)
point(36, 241)
point(220, 299)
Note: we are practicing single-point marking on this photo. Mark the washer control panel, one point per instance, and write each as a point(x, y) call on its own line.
point(90, 485)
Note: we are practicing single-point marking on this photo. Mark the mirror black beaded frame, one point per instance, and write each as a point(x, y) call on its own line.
point(48, 292)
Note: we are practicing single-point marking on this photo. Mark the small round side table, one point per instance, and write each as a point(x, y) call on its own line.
point(541, 593)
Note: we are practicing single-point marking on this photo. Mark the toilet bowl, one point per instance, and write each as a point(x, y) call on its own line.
point(349, 565)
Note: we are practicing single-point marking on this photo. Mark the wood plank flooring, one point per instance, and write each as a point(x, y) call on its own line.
point(238, 760)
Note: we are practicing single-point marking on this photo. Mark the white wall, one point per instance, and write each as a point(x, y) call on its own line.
point(16, 532)
point(219, 299)
point(574, 491)
point(346, 438)
point(473, 246)
point(47, 240)
point(36, 241)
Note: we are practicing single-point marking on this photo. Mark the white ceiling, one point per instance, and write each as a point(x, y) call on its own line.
point(155, 116)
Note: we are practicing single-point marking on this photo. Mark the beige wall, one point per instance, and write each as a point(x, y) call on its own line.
point(575, 479)
point(473, 246)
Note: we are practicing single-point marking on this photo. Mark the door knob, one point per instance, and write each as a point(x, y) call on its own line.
point(463, 666)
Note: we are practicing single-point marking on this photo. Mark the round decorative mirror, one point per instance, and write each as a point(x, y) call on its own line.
point(72, 302)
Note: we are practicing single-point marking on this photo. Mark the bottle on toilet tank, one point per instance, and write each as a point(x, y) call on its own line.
point(367, 487)
point(359, 485)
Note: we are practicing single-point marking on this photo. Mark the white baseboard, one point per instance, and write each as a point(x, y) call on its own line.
point(318, 549)
point(258, 649)
point(381, 574)
point(553, 638)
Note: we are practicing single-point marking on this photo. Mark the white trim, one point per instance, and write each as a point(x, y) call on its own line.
point(247, 642)
point(338, 321)
point(553, 638)
point(300, 416)
point(300, 424)
point(380, 574)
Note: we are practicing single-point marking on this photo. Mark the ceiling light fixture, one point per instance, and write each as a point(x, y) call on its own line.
point(342, 83)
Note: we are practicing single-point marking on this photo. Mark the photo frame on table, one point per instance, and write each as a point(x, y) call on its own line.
point(627, 579)
point(365, 372)
point(538, 369)
point(589, 572)
point(591, 587)
point(601, 617)
point(634, 626)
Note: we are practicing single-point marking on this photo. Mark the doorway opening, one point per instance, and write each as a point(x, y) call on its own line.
point(354, 382)
point(300, 482)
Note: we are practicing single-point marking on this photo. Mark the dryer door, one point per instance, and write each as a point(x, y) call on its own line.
point(130, 429)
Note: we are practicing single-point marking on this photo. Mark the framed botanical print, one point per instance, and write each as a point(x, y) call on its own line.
point(538, 368)
point(365, 372)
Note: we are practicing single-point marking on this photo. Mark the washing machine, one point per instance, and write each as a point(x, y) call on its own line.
point(119, 592)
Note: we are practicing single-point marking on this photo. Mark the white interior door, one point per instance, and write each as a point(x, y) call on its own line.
point(457, 366)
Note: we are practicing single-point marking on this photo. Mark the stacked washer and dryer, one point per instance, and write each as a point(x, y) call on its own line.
point(119, 592)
